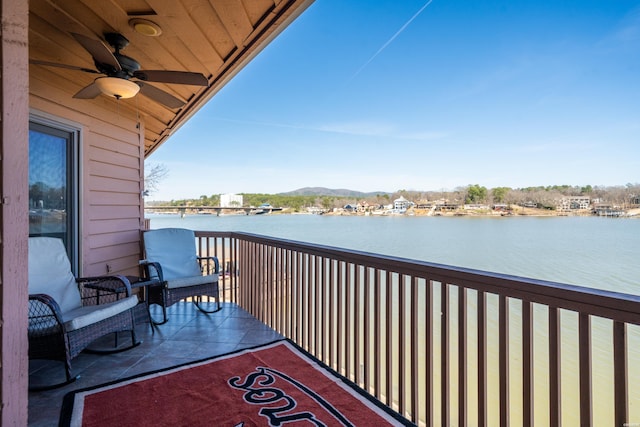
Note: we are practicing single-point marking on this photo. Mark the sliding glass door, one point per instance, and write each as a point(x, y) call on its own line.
point(53, 185)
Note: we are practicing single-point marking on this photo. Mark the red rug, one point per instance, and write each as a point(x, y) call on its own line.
point(271, 385)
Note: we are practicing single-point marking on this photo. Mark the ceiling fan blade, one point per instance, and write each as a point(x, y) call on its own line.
point(98, 50)
point(159, 95)
point(178, 77)
point(55, 64)
point(89, 92)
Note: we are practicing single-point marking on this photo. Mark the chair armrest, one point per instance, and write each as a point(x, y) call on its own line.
point(45, 316)
point(151, 269)
point(202, 259)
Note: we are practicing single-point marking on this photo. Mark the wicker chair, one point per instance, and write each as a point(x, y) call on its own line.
point(64, 314)
point(170, 256)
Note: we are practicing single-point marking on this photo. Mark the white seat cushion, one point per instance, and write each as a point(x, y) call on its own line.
point(50, 272)
point(90, 314)
point(191, 281)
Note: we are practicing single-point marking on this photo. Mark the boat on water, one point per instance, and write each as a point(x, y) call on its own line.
point(262, 209)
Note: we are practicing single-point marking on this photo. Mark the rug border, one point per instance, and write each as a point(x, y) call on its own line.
point(353, 386)
point(66, 410)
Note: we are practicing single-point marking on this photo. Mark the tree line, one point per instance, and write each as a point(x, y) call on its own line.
point(542, 197)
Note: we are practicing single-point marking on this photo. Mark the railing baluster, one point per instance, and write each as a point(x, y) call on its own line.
point(244, 267)
point(259, 288)
point(527, 365)
point(242, 249)
point(224, 260)
point(584, 345)
point(255, 276)
point(311, 303)
point(332, 313)
point(280, 303)
point(389, 340)
point(233, 266)
point(377, 335)
point(282, 297)
point(620, 373)
point(445, 355)
point(462, 356)
point(503, 326)
point(258, 292)
point(315, 325)
point(483, 402)
point(270, 283)
point(264, 280)
point(266, 285)
point(246, 277)
point(235, 282)
point(348, 331)
point(555, 373)
point(302, 308)
point(415, 352)
point(289, 292)
point(356, 326)
point(274, 265)
point(323, 309)
point(233, 270)
point(300, 300)
point(402, 345)
point(429, 350)
point(225, 285)
point(298, 286)
point(292, 257)
point(317, 328)
point(340, 330)
point(367, 329)
point(306, 306)
point(256, 284)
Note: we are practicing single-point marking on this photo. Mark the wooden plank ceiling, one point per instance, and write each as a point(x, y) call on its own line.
point(213, 37)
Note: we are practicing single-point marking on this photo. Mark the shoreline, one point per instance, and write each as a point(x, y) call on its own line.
point(520, 212)
point(513, 212)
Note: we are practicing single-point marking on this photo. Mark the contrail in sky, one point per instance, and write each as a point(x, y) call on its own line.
point(384, 46)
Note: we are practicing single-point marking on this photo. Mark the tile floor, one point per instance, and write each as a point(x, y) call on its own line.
point(188, 335)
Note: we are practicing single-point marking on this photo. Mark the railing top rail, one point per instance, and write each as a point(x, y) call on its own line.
point(598, 302)
point(214, 234)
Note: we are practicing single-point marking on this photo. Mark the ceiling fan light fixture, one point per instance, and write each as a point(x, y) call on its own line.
point(117, 88)
point(145, 27)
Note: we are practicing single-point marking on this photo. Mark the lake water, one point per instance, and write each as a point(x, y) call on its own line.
point(588, 251)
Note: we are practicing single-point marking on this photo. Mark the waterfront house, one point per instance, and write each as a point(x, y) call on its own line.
point(356, 311)
point(363, 206)
point(231, 200)
point(573, 203)
point(350, 208)
point(424, 204)
point(475, 206)
point(401, 204)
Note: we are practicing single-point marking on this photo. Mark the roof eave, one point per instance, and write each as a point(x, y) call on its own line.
point(280, 20)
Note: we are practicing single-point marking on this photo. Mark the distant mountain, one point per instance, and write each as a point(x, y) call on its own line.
point(322, 191)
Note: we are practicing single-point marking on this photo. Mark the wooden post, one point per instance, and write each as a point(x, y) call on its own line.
point(14, 165)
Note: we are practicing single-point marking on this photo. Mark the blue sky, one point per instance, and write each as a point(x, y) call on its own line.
point(415, 95)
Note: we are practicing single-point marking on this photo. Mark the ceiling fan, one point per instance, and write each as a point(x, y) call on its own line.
point(119, 70)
